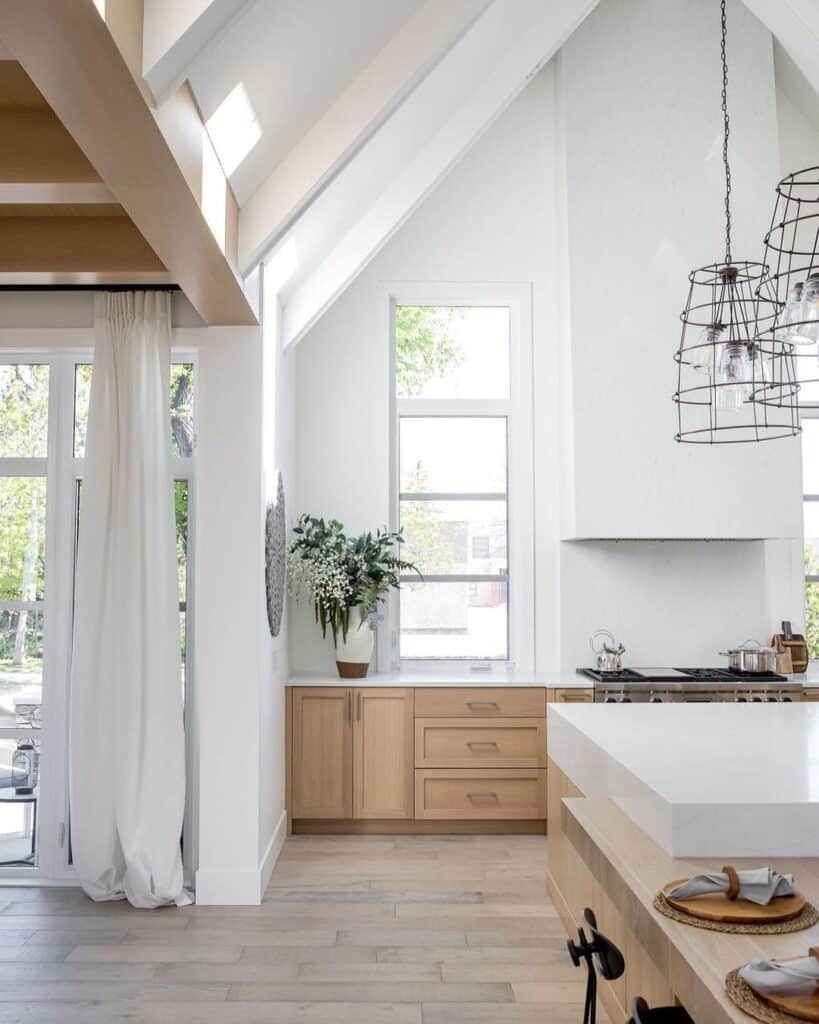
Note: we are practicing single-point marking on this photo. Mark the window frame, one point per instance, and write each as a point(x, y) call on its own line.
point(807, 412)
point(517, 412)
point(62, 472)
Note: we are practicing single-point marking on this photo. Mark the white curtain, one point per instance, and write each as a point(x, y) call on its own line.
point(127, 758)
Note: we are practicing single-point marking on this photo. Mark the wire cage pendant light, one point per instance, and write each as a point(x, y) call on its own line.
point(792, 280)
point(735, 378)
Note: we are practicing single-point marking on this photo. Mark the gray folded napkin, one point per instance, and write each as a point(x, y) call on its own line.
point(759, 885)
point(769, 975)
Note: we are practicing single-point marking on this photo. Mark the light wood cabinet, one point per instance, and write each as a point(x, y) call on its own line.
point(322, 752)
point(500, 794)
point(810, 693)
point(479, 702)
point(352, 752)
point(494, 743)
point(572, 695)
point(377, 758)
point(382, 753)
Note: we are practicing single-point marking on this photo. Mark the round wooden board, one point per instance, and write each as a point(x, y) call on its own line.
point(716, 907)
point(800, 1000)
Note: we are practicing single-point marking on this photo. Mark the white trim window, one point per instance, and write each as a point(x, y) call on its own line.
point(43, 419)
point(462, 477)
point(810, 514)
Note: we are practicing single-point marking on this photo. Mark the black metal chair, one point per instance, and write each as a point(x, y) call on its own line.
point(608, 957)
point(600, 954)
point(641, 1013)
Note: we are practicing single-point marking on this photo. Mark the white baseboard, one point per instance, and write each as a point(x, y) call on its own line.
point(274, 848)
point(241, 888)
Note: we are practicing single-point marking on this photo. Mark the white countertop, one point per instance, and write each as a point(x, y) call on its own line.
point(454, 677)
point(703, 780)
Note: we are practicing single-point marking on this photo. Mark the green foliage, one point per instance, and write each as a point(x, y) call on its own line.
point(426, 534)
point(424, 346)
point(812, 603)
point(182, 409)
point(24, 405)
point(340, 573)
point(180, 500)
point(82, 394)
point(33, 647)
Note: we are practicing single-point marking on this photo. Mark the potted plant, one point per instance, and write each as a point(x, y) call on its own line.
point(345, 578)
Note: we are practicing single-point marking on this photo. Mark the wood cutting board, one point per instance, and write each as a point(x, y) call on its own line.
point(717, 907)
point(799, 1000)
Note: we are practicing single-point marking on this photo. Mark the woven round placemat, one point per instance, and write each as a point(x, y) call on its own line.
point(806, 919)
point(742, 995)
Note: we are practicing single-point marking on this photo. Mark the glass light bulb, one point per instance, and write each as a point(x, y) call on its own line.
point(792, 315)
point(705, 354)
point(809, 329)
point(734, 376)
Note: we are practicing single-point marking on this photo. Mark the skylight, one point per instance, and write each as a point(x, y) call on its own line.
point(234, 129)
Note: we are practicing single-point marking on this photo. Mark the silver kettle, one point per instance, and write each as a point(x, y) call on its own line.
point(607, 651)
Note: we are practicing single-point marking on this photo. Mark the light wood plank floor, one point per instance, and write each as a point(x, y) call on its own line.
point(353, 930)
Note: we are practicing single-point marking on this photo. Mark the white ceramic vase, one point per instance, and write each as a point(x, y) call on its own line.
point(353, 654)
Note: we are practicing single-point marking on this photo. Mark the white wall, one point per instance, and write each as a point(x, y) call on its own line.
point(675, 602)
point(491, 220)
point(640, 81)
point(278, 453)
point(501, 215)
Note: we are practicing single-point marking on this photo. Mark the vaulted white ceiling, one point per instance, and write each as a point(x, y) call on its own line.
point(293, 57)
point(360, 107)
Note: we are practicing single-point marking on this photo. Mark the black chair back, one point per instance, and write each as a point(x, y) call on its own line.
point(609, 959)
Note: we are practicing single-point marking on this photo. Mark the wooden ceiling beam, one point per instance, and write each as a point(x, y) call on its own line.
point(75, 63)
point(70, 243)
point(36, 147)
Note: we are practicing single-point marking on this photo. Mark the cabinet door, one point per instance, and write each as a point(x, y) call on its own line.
point(322, 752)
point(383, 753)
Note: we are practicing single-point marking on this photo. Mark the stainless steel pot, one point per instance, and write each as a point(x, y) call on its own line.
point(751, 657)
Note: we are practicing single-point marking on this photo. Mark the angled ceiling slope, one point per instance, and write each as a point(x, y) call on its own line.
point(354, 116)
point(795, 24)
point(388, 178)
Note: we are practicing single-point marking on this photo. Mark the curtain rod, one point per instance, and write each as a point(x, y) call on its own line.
point(89, 288)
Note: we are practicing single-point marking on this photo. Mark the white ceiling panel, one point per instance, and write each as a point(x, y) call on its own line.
point(293, 57)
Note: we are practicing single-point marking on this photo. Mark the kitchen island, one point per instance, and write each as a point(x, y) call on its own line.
point(635, 789)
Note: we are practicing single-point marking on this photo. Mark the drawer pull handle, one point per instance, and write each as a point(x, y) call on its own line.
point(481, 743)
point(482, 796)
point(481, 703)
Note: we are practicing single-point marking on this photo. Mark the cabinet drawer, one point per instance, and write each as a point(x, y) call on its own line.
point(483, 702)
point(480, 795)
point(466, 743)
point(574, 696)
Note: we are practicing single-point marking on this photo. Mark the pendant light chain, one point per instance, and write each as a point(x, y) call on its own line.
point(726, 132)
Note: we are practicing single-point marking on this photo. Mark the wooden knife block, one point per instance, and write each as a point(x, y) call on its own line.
point(796, 647)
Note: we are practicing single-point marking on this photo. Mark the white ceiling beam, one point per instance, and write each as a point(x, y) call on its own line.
point(543, 28)
point(795, 23)
point(174, 33)
point(354, 117)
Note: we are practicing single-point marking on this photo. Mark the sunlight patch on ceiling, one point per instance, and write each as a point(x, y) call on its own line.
point(281, 266)
point(234, 128)
point(214, 191)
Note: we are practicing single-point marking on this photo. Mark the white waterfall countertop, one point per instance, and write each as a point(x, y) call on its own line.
point(702, 780)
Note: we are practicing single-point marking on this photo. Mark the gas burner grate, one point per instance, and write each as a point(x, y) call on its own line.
point(726, 675)
point(625, 675)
